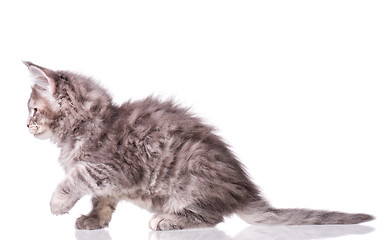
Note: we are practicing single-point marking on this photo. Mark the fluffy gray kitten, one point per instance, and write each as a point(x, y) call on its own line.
point(151, 152)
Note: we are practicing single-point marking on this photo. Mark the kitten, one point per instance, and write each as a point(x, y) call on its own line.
point(151, 152)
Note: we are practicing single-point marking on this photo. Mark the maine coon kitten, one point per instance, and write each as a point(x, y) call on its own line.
point(153, 153)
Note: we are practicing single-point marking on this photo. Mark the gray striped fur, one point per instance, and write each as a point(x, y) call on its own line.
point(151, 152)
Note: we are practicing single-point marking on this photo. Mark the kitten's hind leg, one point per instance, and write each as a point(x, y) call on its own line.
point(100, 215)
point(165, 222)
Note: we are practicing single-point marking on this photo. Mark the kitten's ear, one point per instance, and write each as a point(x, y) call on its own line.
point(41, 77)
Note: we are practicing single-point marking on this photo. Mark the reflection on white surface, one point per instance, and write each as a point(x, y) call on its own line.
point(251, 232)
point(194, 234)
point(266, 233)
point(101, 234)
point(301, 232)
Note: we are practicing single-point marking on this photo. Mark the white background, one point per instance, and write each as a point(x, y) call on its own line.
point(296, 87)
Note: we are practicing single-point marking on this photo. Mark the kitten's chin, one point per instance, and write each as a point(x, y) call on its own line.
point(47, 134)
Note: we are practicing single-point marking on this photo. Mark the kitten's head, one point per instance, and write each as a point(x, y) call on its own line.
point(60, 101)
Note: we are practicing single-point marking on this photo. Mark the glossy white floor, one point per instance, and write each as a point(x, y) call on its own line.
point(130, 222)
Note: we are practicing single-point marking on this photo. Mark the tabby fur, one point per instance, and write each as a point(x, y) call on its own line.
point(151, 152)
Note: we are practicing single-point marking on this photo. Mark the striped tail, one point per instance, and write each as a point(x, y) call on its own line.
point(261, 212)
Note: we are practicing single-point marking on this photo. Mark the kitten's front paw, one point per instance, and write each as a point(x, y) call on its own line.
point(164, 222)
point(90, 223)
point(61, 203)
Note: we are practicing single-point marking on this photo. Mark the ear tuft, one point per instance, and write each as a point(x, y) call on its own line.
point(27, 63)
point(40, 77)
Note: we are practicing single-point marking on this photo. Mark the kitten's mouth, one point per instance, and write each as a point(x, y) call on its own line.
point(38, 132)
point(43, 135)
point(34, 129)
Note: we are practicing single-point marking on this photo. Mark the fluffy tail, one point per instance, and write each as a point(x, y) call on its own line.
point(261, 212)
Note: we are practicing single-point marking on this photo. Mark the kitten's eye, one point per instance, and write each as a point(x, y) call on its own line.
point(35, 110)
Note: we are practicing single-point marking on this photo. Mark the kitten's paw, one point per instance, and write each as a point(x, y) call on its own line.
point(90, 223)
point(164, 222)
point(61, 203)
